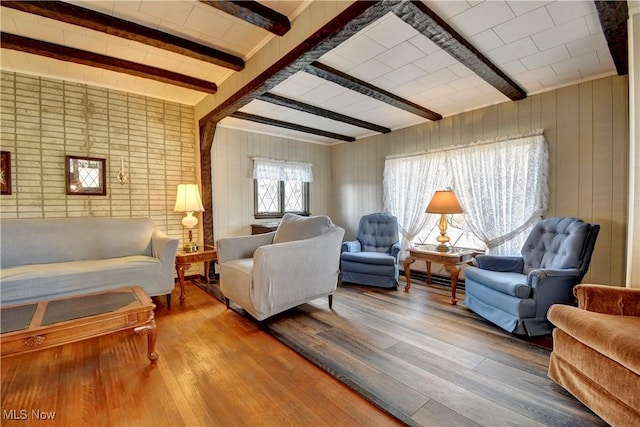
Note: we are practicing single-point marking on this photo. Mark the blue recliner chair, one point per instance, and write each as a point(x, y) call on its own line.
point(372, 259)
point(516, 292)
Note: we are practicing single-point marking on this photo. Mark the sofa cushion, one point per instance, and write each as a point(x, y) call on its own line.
point(614, 336)
point(514, 284)
point(37, 282)
point(296, 227)
point(40, 241)
point(375, 258)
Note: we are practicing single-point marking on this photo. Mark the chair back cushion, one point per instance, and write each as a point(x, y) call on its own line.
point(559, 243)
point(296, 227)
point(377, 232)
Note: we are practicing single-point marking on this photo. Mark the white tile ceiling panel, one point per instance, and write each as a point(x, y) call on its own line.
point(233, 123)
point(330, 96)
point(272, 111)
point(525, 25)
point(483, 16)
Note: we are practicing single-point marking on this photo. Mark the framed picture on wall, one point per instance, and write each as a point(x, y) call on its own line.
point(85, 176)
point(5, 172)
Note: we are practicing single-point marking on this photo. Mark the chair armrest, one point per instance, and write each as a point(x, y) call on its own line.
point(552, 286)
point(351, 246)
point(395, 250)
point(164, 247)
point(230, 248)
point(608, 299)
point(512, 264)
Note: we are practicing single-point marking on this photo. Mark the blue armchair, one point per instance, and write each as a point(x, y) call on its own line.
point(372, 259)
point(516, 292)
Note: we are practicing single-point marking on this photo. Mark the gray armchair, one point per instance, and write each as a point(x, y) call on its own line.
point(372, 259)
point(273, 272)
point(515, 293)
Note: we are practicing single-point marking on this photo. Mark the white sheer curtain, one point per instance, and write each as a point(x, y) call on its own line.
point(502, 187)
point(281, 170)
point(408, 185)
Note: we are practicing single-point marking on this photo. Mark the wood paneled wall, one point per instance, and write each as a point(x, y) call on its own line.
point(586, 126)
point(232, 169)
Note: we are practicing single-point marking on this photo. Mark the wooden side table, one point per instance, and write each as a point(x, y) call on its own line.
point(451, 260)
point(185, 259)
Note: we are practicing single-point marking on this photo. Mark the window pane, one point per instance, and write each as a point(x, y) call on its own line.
point(268, 196)
point(293, 196)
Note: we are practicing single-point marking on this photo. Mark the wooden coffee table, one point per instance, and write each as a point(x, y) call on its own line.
point(34, 326)
point(451, 260)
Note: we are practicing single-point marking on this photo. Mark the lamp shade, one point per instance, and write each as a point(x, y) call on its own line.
point(188, 199)
point(444, 202)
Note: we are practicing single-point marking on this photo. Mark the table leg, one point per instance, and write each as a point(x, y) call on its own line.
point(428, 272)
point(454, 270)
point(180, 268)
point(150, 330)
point(407, 272)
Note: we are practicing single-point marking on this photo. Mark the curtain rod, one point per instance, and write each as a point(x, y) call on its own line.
point(535, 132)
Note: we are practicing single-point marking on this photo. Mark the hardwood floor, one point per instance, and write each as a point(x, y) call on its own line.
point(216, 368)
point(219, 368)
point(429, 362)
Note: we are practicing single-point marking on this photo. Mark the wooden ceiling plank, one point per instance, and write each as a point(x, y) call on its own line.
point(613, 17)
point(64, 53)
point(331, 74)
point(428, 23)
point(317, 111)
point(86, 18)
point(287, 125)
point(254, 13)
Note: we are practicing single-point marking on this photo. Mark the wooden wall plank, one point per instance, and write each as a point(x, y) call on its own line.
point(620, 188)
point(567, 150)
point(603, 171)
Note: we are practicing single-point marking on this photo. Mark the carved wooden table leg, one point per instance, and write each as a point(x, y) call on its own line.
point(407, 272)
point(150, 330)
point(454, 270)
point(180, 269)
point(428, 272)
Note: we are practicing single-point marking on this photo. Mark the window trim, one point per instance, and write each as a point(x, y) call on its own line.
point(281, 212)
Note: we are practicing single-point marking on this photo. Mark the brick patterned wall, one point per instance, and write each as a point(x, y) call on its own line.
point(42, 120)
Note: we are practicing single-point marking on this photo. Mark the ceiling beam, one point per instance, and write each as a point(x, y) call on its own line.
point(287, 125)
point(613, 17)
point(111, 25)
point(64, 53)
point(354, 18)
point(331, 74)
point(317, 111)
point(254, 13)
point(428, 23)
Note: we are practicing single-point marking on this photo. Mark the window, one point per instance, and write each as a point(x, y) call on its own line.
point(501, 185)
point(280, 187)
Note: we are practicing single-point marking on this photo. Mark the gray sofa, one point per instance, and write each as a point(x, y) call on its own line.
point(52, 258)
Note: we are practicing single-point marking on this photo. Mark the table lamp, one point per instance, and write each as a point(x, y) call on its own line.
point(443, 202)
point(188, 201)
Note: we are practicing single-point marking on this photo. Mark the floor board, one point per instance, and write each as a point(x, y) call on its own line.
point(429, 362)
point(216, 368)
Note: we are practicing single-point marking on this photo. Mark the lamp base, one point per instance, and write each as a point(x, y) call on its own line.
point(190, 247)
point(443, 248)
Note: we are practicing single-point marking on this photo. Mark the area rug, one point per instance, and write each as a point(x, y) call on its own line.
point(424, 361)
